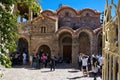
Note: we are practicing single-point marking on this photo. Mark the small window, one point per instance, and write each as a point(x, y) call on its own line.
point(87, 14)
point(43, 29)
point(47, 14)
point(66, 13)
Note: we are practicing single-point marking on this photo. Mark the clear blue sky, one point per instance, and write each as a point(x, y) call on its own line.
point(77, 4)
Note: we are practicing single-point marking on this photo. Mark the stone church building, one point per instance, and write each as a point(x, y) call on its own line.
point(63, 33)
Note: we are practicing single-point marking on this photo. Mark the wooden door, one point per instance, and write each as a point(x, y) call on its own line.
point(67, 51)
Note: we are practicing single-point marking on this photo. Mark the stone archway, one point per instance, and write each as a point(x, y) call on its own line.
point(67, 49)
point(84, 43)
point(22, 45)
point(65, 44)
point(44, 49)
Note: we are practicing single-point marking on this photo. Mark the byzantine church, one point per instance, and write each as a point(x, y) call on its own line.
point(65, 33)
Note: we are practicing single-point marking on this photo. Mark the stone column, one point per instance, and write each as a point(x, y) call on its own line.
point(30, 15)
point(75, 49)
point(93, 45)
point(56, 47)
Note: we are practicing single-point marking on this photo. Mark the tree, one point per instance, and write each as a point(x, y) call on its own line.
point(9, 28)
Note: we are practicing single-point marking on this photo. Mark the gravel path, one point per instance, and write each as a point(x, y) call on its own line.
point(27, 73)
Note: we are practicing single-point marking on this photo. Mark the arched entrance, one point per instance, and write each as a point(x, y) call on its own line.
point(44, 49)
point(22, 45)
point(66, 46)
point(100, 44)
point(67, 49)
point(84, 43)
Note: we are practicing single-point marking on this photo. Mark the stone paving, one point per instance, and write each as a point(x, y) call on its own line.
point(61, 73)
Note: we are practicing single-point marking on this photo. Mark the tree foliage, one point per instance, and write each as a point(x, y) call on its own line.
point(9, 28)
point(8, 31)
point(31, 4)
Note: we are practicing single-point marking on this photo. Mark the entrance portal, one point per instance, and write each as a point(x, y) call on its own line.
point(22, 45)
point(67, 53)
point(67, 49)
point(44, 49)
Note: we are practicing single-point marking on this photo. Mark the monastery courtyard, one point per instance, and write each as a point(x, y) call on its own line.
point(62, 72)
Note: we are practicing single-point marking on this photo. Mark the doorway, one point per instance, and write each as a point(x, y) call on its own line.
point(67, 51)
point(44, 49)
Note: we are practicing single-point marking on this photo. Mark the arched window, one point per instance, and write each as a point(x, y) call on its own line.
point(66, 13)
point(43, 29)
point(87, 14)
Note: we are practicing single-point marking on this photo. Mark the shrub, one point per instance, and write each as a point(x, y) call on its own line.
point(5, 60)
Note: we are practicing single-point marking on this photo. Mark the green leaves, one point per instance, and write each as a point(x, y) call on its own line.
point(5, 60)
point(8, 32)
point(9, 27)
point(31, 4)
point(35, 7)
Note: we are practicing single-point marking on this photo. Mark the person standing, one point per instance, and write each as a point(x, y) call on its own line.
point(44, 58)
point(95, 68)
point(80, 61)
point(94, 58)
point(85, 64)
point(34, 61)
point(52, 64)
point(24, 58)
point(89, 63)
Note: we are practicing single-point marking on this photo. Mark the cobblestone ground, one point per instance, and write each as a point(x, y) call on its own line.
point(62, 72)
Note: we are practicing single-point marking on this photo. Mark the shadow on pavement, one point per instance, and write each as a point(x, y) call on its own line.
point(75, 77)
point(73, 71)
point(46, 71)
point(58, 66)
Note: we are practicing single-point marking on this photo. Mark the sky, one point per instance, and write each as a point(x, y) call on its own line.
point(76, 4)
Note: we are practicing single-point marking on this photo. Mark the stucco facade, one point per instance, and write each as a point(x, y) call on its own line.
point(64, 33)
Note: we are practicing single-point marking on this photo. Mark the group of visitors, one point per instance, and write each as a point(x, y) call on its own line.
point(90, 64)
point(43, 61)
point(87, 64)
point(19, 58)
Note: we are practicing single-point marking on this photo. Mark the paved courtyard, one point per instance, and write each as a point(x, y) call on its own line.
point(62, 72)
